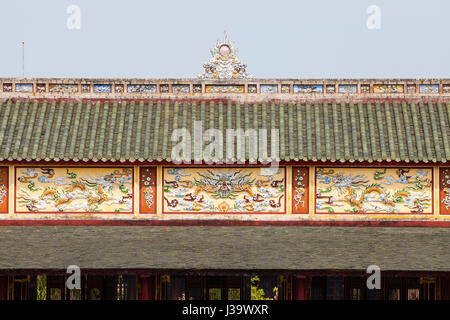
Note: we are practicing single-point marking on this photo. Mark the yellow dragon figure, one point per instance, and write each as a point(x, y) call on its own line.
point(98, 198)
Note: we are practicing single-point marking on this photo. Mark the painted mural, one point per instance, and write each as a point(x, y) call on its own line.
point(374, 190)
point(74, 189)
point(147, 187)
point(300, 190)
point(444, 190)
point(4, 189)
point(224, 190)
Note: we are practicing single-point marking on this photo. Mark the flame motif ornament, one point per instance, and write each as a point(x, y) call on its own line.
point(224, 63)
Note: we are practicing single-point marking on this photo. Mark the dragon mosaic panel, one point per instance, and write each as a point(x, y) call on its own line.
point(444, 190)
point(4, 189)
point(147, 187)
point(374, 190)
point(74, 190)
point(224, 190)
point(300, 190)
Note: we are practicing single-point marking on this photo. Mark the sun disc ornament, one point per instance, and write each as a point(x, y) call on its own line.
point(224, 63)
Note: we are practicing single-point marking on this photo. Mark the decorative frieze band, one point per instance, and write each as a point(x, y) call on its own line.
point(193, 86)
point(332, 191)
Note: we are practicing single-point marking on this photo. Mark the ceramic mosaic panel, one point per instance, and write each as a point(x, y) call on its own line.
point(224, 89)
point(411, 88)
point(102, 88)
point(24, 87)
point(331, 88)
point(63, 88)
point(374, 190)
point(269, 88)
point(4, 183)
point(444, 190)
point(85, 88)
point(119, 88)
point(429, 88)
point(180, 88)
point(446, 88)
point(7, 87)
point(300, 190)
point(197, 88)
point(164, 88)
point(285, 88)
point(224, 190)
point(40, 87)
point(347, 88)
point(141, 88)
point(308, 88)
point(252, 88)
point(365, 88)
point(388, 88)
point(147, 189)
point(74, 189)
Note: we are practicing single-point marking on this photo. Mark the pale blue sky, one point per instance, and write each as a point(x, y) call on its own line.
point(277, 38)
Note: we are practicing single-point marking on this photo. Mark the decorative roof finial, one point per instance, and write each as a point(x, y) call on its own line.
point(224, 63)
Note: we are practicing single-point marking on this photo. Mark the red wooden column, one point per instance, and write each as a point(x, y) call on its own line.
point(445, 288)
point(298, 288)
point(3, 287)
point(147, 287)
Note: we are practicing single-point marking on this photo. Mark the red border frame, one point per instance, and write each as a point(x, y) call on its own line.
point(7, 190)
point(228, 213)
point(156, 189)
point(81, 166)
point(375, 213)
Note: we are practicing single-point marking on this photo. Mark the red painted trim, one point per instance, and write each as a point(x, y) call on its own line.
point(376, 213)
point(6, 184)
point(328, 163)
point(225, 223)
point(208, 212)
point(68, 212)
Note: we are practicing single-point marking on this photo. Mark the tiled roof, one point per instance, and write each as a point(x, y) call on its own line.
point(126, 130)
point(244, 248)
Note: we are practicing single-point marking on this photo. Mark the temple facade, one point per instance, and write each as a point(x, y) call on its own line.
point(225, 186)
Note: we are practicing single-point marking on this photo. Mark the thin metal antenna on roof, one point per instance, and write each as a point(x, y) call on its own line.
point(23, 59)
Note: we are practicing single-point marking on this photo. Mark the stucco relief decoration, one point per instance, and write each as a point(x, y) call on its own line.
point(3, 189)
point(444, 190)
point(374, 190)
point(74, 190)
point(300, 190)
point(224, 190)
point(224, 63)
point(147, 186)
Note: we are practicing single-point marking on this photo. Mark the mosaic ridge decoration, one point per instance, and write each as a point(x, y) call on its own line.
point(4, 195)
point(224, 63)
point(74, 189)
point(308, 88)
point(444, 190)
point(300, 190)
point(376, 190)
point(224, 89)
point(141, 88)
point(63, 88)
point(148, 188)
point(224, 190)
point(269, 88)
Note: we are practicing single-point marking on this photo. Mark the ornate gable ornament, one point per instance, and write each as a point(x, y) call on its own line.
point(224, 63)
